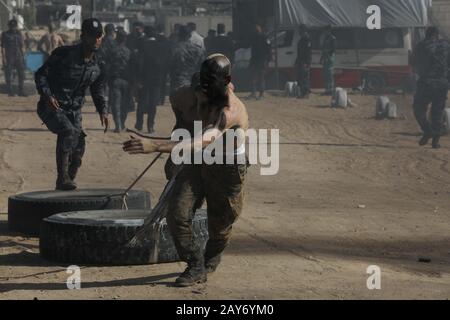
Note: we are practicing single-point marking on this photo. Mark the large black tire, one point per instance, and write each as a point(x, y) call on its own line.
point(27, 210)
point(101, 237)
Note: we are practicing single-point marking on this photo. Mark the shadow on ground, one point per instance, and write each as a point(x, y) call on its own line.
point(143, 281)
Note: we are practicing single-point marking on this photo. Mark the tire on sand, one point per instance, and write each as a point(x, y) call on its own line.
point(27, 210)
point(101, 238)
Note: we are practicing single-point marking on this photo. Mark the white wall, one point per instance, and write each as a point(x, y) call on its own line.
point(203, 23)
point(440, 16)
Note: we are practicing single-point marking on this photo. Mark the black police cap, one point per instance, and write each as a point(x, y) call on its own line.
point(92, 26)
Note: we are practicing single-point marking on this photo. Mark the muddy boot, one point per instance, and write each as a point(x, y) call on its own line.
point(425, 139)
point(435, 143)
point(194, 274)
point(64, 182)
point(211, 264)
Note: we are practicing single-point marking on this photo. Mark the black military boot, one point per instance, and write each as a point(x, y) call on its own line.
point(64, 183)
point(139, 121)
point(425, 139)
point(435, 143)
point(150, 128)
point(9, 89)
point(211, 264)
point(74, 165)
point(194, 274)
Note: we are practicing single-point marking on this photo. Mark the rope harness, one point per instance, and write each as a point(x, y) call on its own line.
point(125, 194)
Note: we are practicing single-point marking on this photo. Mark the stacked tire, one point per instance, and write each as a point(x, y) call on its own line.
point(26, 211)
point(101, 238)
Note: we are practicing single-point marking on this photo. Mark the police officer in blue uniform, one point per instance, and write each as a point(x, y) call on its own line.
point(62, 82)
point(432, 61)
point(13, 56)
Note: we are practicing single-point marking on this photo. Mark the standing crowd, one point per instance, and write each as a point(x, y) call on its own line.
point(141, 66)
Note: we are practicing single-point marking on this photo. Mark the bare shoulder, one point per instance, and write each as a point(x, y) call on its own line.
point(182, 98)
point(237, 112)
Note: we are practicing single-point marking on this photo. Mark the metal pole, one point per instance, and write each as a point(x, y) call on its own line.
point(93, 9)
point(277, 71)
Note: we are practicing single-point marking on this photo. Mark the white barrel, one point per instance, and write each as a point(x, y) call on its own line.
point(381, 110)
point(392, 110)
point(340, 98)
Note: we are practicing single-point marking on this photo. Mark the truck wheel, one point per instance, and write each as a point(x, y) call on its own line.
point(27, 210)
point(101, 237)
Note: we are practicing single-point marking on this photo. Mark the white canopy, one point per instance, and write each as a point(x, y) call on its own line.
point(352, 13)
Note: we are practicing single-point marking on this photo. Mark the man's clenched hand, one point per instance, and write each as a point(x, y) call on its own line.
point(139, 146)
point(53, 103)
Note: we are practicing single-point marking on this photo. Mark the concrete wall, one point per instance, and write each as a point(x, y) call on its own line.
point(4, 16)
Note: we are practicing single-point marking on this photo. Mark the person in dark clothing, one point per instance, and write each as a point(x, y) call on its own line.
point(261, 56)
point(303, 63)
point(185, 60)
point(431, 60)
point(12, 45)
point(121, 100)
point(108, 47)
point(153, 61)
point(62, 82)
point(173, 38)
point(167, 49)
point(209, 42)
point(134, 40)
point(135, 37)
point(328, 59)
point(224, 44)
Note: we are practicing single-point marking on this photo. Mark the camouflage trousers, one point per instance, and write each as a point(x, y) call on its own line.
point(67, 125)
point(434, 92)
point(222, 187)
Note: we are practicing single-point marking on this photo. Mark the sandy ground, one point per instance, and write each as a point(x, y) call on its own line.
point(351, 192)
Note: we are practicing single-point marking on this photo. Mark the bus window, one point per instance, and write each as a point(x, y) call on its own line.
point(380, 39)
point(345, 38)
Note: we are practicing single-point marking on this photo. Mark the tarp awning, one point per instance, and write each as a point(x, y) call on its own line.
point(352, 13)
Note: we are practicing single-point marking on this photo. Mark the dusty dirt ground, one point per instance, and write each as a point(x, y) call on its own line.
point(351, 192)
